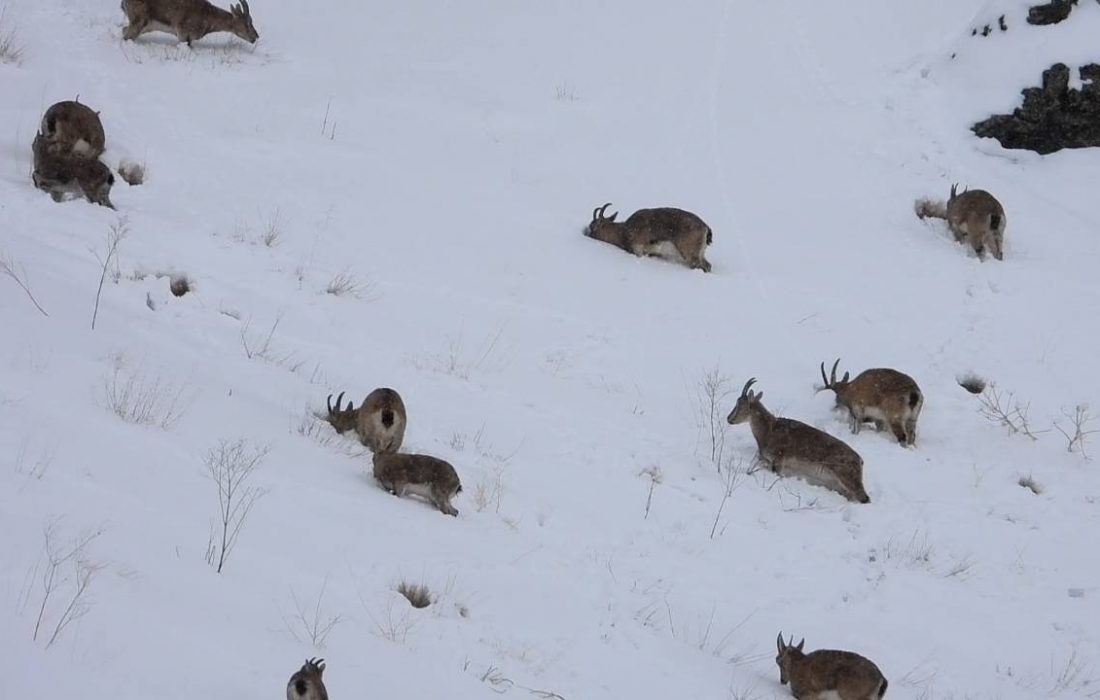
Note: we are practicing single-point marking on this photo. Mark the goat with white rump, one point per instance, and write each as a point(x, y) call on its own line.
point(885, 397)
point(975, 217)
point(306, 683)
point(187, 20)
point(792, 448)
point(379, 422)
point(666, 232)
point(828, 674)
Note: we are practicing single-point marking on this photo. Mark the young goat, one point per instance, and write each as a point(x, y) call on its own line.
point(885, 397)
point(975, 217)
point(828, 674)
point(306, 683)
point(792, 448)
point(669, 233)
point(59, 175)
point(72, 129)
point(427, 477)
point(188, 20)
point(379, 421)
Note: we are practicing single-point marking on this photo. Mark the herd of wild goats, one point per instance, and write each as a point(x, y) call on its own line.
point(66, 161)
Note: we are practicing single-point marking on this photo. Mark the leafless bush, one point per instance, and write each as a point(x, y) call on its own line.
point(309, 623)
point(655, 476)
point(417, 594)
point(712, 391)
point(391, 625)
point(231, 466)
point(916, 551)
point(139, 398)
point(455, 361)
point(8, 268)
point(345, 283)
point(1074, 675)
point(1005, 409)
point(565, 92)
point(41, 464)
point(64, 574)
point(11, 50)
point(489, 490)
point(972, 383)
point(259, 345)
point(1078, 428)
point(1029, 483)
point(118, 232)
point(733, 473)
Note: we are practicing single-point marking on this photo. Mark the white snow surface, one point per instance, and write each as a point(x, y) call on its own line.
point(446, 156)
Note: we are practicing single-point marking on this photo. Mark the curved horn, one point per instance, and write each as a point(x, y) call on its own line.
point(779, 641)
point(328, 402)
point(833, 379)
point(600, 212)
point(745, 389)
point(244, 6)
point(338, 400)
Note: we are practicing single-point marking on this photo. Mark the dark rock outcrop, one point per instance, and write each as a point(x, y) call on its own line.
point(1052, 117)
point(1051, 13)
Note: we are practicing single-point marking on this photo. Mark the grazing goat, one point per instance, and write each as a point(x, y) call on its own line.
point(669, 233)
point(791, 448)
point(885, 397)
point(828, 674)
point(188, 20)
point(72, 129)
point(975, 217)
point(427, 477)
point(306, 683)
point(59, 175)
point(379, 421)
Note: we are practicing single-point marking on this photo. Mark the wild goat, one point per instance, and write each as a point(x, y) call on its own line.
point(379, 421)
point(59, 175)
point(427, 477)
point(306, 683)
point(885, 397)
point(668, 233)
point(791, 448)
point(828, 674)
point(188, 20)
point(974, 217)
point(70, 128)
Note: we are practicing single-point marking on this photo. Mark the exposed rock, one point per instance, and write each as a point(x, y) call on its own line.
point(1051, 13)
point(1052, 117)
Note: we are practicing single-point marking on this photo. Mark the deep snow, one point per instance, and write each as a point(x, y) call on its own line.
point(446, 156)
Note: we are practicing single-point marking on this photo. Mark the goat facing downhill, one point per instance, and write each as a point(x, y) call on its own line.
point(666, 232)
point(379, 422)
point(828, 674)
point(59, 175)
point(885, 397)
point(792, 448)
point(306, 683)
point(72, 129)
point(428, 477)
point(187, 20)
point(975, 217)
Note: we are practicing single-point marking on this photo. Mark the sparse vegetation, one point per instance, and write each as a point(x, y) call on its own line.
point(9, 268)
point(455, 361)
point(1078, 428)
point(118, 232)
point(344, 283)
point(733, 473)
point(309, 623)
point(64, 573)
point(1028, 482)
point(11, 50)
point(1005, 409)
point(179, 285)
point(565, 92)
point(417, 594)
point(142, 399)
point(713, 392)
point(231, 466)
point(655, 476)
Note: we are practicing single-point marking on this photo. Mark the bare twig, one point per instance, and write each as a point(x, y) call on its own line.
point(732, 474)
point(8, 267)
point(713, 390)
point(315, 625)
point(1078, 430)
point(67, 572)
point(231, 466)
point(118, 231)
point(1004, 409)
point(656, 476)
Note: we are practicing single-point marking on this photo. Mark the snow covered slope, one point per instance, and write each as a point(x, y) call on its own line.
point(443, 158)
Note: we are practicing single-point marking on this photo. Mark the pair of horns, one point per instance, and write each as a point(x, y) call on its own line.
point(598, 212)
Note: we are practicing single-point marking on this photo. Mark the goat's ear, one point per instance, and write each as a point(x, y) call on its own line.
point(801, 644)
point(845, 380)
point(779, 643)
point(612, 217)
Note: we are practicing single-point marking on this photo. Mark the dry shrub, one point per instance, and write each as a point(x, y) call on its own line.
point(417, 594)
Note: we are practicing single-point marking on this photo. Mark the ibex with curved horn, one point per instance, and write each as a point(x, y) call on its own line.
point(379, 422)
point(306, 683)
point(188, 20)
point(792, 448)
point(669, 233)
point(828, 673)
point(975, 217)
point(885, 397)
